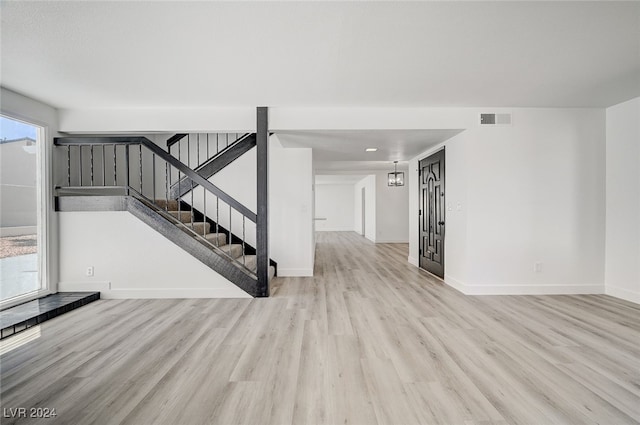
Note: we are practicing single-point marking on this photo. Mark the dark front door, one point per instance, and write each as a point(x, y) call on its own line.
point(432, 209)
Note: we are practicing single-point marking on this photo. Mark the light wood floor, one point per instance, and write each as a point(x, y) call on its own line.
point(369, 340)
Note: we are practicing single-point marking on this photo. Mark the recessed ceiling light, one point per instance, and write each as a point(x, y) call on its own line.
point(371, 149)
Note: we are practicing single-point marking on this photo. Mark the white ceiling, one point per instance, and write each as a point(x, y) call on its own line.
point(158, 54)
point(393, 145)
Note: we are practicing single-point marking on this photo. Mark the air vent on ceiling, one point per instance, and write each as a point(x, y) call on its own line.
point(495, 119)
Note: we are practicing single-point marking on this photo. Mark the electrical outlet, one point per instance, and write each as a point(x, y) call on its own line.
point(537, 267)
point(90, 271)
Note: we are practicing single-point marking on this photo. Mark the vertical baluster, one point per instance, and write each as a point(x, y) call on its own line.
point(244, 259)
point(179, 159)
point(141, 188)
point(91, 162)
point(69, 165)
point(217, 143)
point(217, 219)
point(204, 209)
point(154, 176)
point(227, 138)
point(189, 150)
point(126, 164)
point(208, 146)
point(104, 168)
point(198, 151)
point(192, 211)
point(115, 166)
point(80, 161)
point(167, 184)
point(230, 233)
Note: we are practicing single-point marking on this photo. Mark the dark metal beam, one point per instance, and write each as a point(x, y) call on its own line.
point(262, 223)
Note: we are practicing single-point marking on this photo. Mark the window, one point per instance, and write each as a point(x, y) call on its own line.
point(22, 259)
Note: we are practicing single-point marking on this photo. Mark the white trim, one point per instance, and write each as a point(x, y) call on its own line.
point(84, 286)
point(455, 283)
point(622, 293)
point(527, 289)
point(18, 231)
point(155, 293)
point(392, 241)
point(295, 272)
point(335, 229)
point(412, 261)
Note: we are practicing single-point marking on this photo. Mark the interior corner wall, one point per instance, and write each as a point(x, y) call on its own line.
point(622, 258)
point(533, 192)
point(334, 205)
point(15, 105)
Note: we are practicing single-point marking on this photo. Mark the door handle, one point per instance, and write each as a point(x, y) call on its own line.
point(441, 223)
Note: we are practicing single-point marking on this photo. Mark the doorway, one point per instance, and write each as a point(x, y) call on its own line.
point(432, 213)
point(21, 216)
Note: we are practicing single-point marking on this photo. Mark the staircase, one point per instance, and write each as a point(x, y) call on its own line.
point(194, 220)
point(171, 191)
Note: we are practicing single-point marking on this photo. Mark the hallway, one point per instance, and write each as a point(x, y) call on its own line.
point(369, 339)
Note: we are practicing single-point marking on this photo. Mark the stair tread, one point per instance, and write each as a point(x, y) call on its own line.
point(184, 216)
point(234, 250)
point(218, 239)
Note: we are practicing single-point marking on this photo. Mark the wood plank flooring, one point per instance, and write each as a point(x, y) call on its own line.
point(368, 340)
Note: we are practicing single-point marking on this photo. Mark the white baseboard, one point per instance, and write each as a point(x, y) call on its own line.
point(107, 292)
point(622, 293)
point(392, 241)
point(156, 293)
point(334, 229)
point(526, 289)
point(295, 272)
point(84, 286)
point(412, 261)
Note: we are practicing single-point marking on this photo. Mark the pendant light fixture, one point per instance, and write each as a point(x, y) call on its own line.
point(397, 177)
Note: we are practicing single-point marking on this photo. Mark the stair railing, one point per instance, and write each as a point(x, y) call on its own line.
point(199, 148)
point(223, 152)
point(103, 166)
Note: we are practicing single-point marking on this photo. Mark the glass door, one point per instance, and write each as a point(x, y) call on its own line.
point(21, 212)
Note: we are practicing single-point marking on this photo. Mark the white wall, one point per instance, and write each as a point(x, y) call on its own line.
point(334, 204)
point(17, 106)
point(131, 260)
point(622, 265)
point(369, 185)
point(530, 192)
point(392, 210)
point(291, 209)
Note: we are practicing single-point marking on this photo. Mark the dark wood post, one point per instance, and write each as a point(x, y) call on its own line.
point(262, 222)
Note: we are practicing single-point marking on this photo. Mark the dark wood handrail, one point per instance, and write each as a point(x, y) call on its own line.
point(170, 159)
